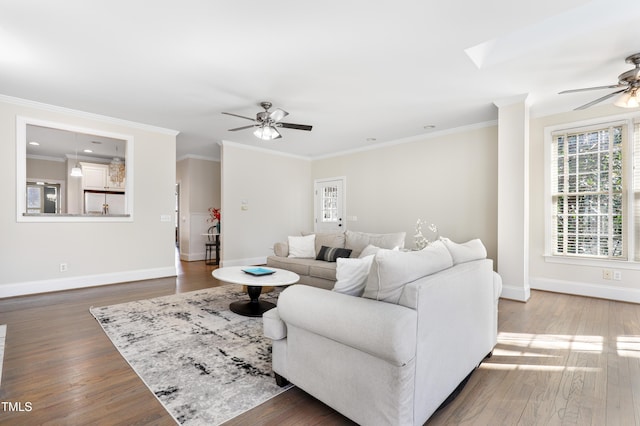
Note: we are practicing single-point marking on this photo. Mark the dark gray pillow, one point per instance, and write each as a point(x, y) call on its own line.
point(330, 254)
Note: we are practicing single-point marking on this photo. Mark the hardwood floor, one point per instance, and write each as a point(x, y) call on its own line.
point(560, 360)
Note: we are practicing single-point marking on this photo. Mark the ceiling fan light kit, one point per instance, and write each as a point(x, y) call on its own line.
point(628, 100)
point(267, 133)
point(267, 122)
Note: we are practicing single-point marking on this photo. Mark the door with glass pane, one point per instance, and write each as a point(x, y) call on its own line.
point(329, 205)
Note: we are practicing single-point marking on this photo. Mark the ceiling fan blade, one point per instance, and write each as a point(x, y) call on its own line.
point(242, 128)
point(278, 114)
point(241, 116)
point(295, 126)
point(585, 106)
point(613, 86)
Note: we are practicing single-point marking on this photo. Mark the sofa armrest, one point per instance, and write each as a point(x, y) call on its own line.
point(384, 330)
point(281, 249)
point(273, 327)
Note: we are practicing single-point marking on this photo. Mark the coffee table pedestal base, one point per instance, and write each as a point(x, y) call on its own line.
point(253, 307)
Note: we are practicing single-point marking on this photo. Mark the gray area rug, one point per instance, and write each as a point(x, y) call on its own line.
point(204, 363)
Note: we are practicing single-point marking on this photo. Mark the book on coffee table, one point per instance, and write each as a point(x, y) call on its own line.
point(258, 271)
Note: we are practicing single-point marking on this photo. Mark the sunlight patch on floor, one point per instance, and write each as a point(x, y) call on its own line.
point(628, 346)
point(531, 367)
point(552, 341)
point(506, 353)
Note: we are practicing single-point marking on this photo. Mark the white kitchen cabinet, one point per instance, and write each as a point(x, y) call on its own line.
point(96, 177)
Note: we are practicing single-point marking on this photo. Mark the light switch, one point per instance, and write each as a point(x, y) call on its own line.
point(165, 218)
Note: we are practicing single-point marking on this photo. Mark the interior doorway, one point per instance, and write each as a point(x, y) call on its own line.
point(177, 215)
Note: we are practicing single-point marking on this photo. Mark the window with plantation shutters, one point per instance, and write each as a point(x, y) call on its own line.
point(588, 201)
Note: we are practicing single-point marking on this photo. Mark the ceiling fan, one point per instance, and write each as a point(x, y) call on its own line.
point(267, 122)
point(629, 81)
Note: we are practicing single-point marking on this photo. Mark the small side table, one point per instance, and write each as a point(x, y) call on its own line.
point(254, 307)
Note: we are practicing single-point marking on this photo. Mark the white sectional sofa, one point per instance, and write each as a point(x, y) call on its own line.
point(425, 321)
point(321, 273)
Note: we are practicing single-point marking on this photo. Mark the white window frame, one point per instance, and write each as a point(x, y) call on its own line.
point(629, 120)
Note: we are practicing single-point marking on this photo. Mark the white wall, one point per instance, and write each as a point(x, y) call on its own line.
point(567, 278)
point(95, 252)
point(449, 179)
point(276, 193)
point(199, 189)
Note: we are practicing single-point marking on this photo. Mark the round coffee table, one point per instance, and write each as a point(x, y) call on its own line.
point(254, 307)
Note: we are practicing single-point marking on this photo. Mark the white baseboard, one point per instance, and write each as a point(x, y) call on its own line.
point(622, 294)
point(243, 262)
point(515, 293)
point(192, 257)
point(59, 284)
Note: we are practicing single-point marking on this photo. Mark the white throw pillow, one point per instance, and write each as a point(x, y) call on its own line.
point(351, 275)
point(303, 247)
point(368, 251)
point(465, 252)
point(391, 270)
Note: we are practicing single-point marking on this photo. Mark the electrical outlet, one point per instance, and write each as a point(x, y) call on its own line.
point(64, 267)
point(617, 275)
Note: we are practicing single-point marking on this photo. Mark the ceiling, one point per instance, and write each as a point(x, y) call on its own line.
point(356, 70)
point(58, 144)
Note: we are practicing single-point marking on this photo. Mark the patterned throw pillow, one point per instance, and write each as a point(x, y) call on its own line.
point(330, 254)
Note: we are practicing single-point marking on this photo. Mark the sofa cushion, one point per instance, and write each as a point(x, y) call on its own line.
point(302, 247)
point(357, 241)
point(299, 266)
point(391, 270)
point(329, 239)
point(351, 275)
point(322, 269)
point(330, 254)
point(465, 252)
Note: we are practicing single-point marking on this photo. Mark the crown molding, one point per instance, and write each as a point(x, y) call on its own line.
point(410, 139)
point(87, 115)
point(197, 157)
point(263, 150)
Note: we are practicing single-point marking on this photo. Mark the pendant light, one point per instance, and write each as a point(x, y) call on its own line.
point(117, 169)
point(76, 171)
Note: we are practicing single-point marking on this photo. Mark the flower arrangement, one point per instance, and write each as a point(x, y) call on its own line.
point(215, 214)
point(420, 240)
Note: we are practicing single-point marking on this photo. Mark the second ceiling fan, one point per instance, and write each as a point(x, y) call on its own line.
point(267, 122)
